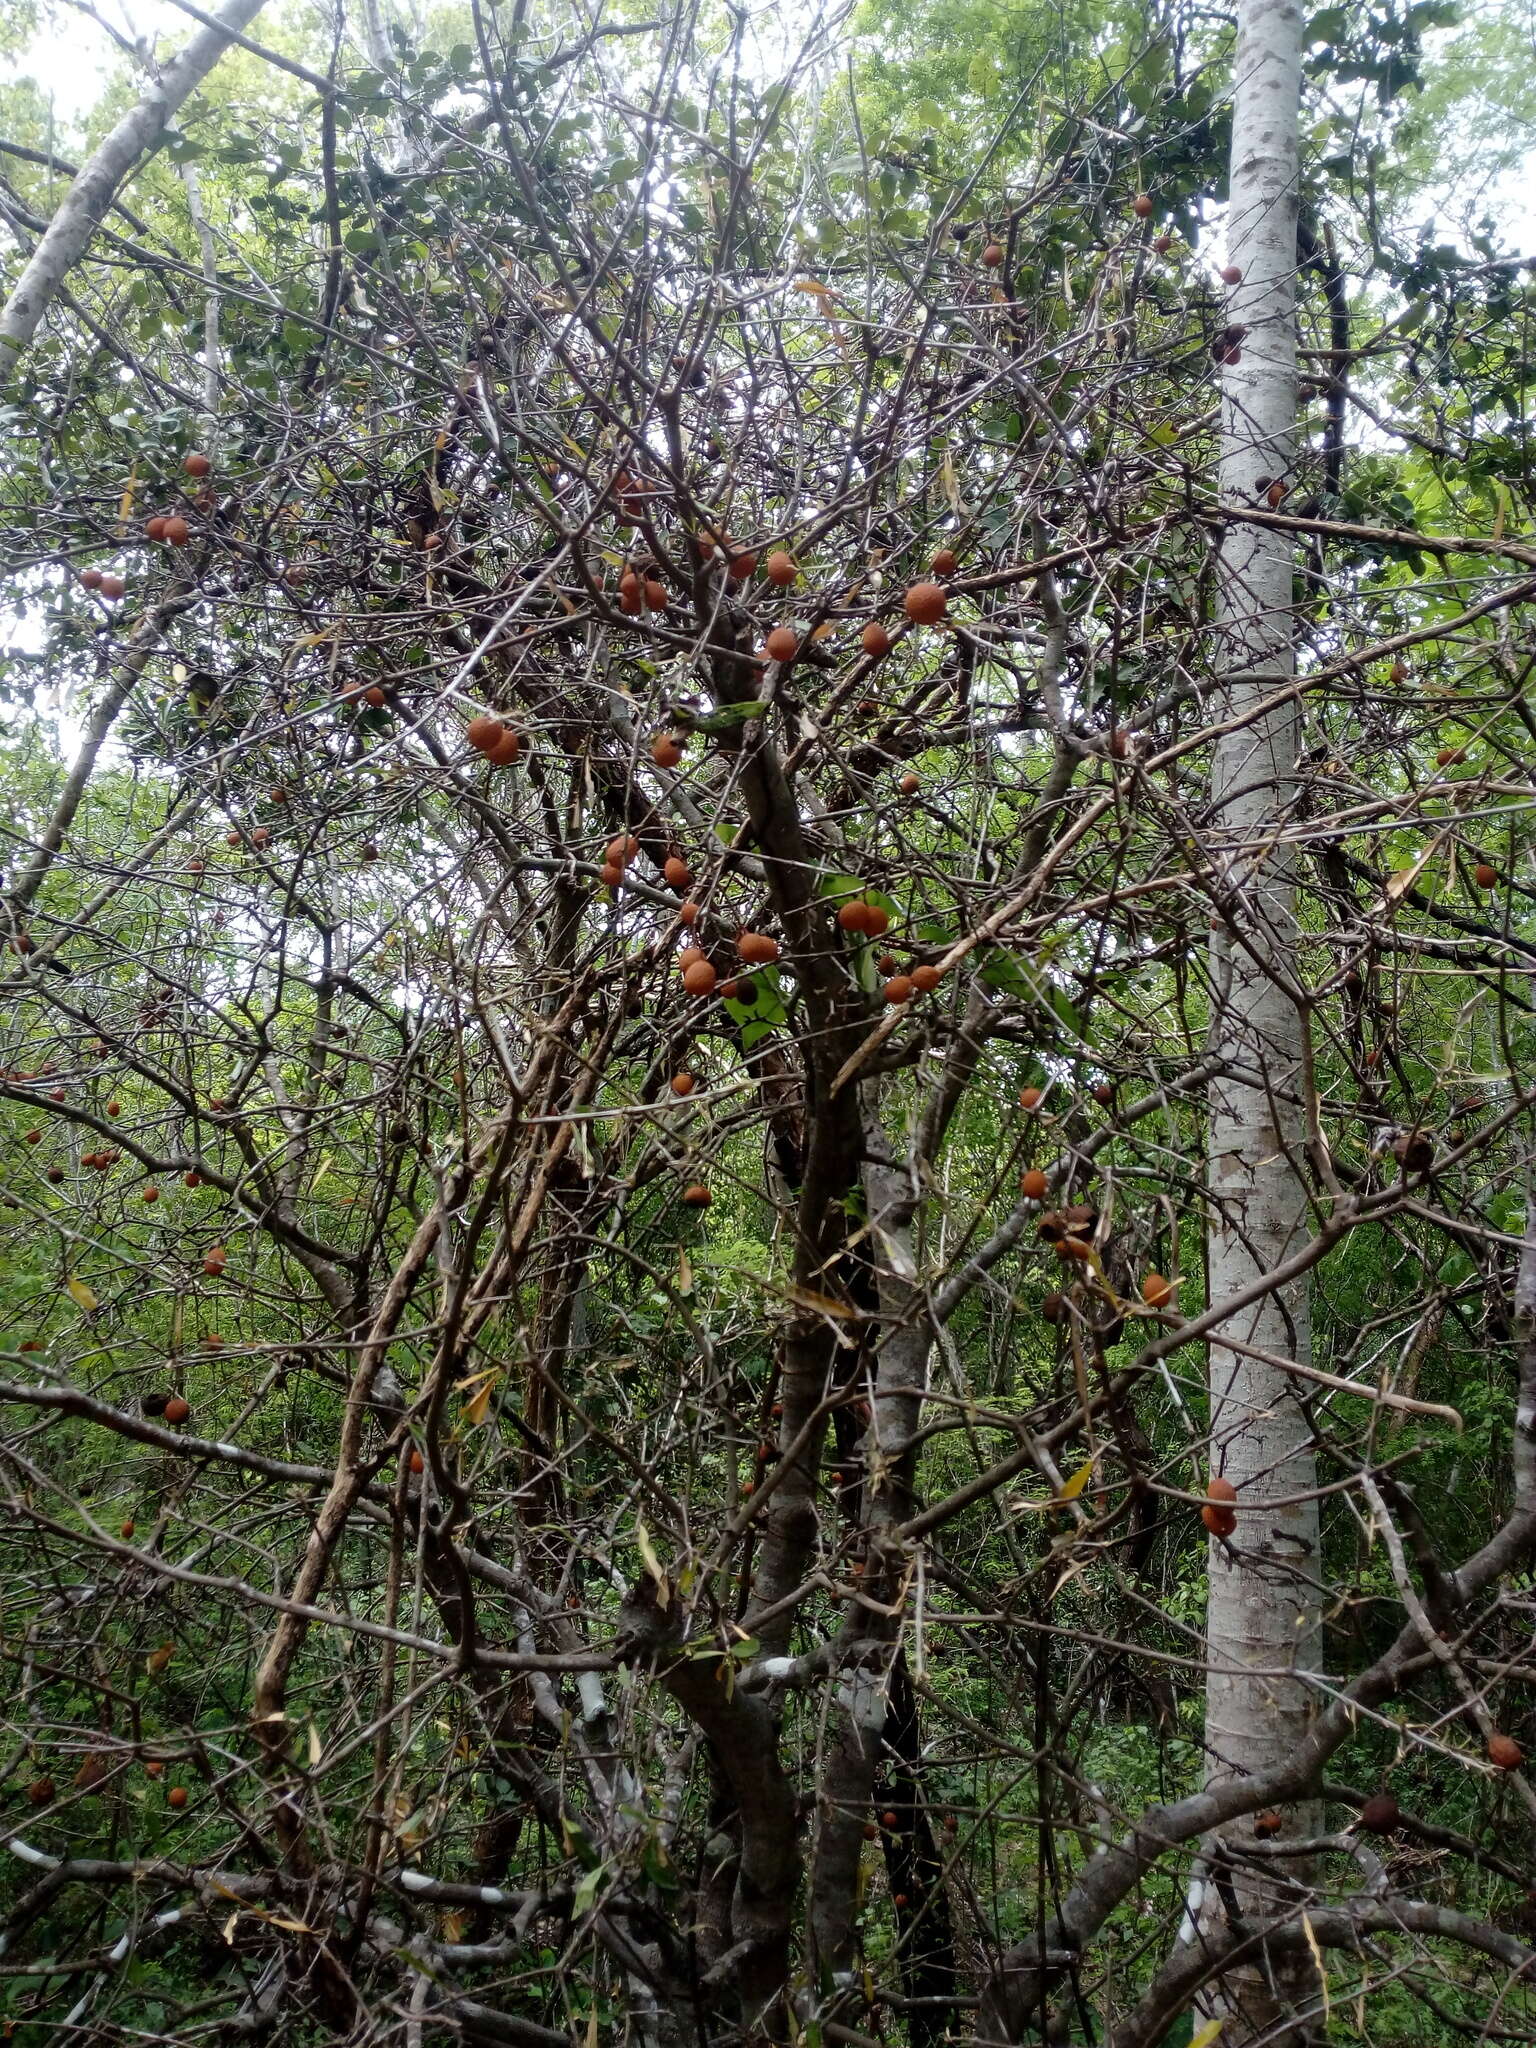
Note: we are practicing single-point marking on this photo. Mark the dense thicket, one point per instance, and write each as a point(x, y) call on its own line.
point(557, 1490)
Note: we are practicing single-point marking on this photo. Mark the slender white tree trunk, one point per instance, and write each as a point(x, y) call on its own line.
point(97, 181)
point(1263, 1617)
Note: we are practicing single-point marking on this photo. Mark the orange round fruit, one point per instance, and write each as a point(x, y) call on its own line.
point(126, 1530)
point(154, 529)
point(623, 848)
point(197, 464)
point(506, 750)
point(697, 1196)
point(483, 733)
point(112, 586)
point(1380, 1814)
point(192, 1180)
point(944, 562)
point(177, 532)
point(611, 875)
point(925, 603)
point(1156, 1291)
point(875, 640)
point(655, 595)
point(877, 920)
point(417, 1462)
point(150, 1194)
point(854, 916)
point(1031, 1098)
point(1505, 1753)
point(677, 872)
point(1141, 206)
point(699, 979)
point(687, 913)
point(177, 1409)
point(757, 949)
point(1221, 1489)
point(176, 1797)
point(925, 979)
point(909, 785)
point(682, 1084)
point(782, 644)
point(688, 956)
point(1485, 876)
point(1033, 1185)
point(90, 579)
point(992, 255)
point(781, 568)
point(1220, 1521)
point(666, 750)
point(1231, 273)
point(899, 989)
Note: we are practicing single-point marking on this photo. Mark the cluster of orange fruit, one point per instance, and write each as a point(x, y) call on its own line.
point(497, 742)
point(169, 528)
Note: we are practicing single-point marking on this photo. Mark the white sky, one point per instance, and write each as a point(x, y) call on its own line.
point(72, 60)
point(73, 64)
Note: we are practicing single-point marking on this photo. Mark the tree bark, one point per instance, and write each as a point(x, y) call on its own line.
point(1262, 1622)
point(95, 187)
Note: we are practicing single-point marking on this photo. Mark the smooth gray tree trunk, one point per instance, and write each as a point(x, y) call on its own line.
point(1263, 1624)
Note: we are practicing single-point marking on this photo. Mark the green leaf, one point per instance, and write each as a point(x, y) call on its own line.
point(981, 76)
point(725, 718)
point(839, 888)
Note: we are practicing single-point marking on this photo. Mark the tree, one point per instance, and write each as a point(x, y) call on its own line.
point(613, 1046)
point(1263, 1616)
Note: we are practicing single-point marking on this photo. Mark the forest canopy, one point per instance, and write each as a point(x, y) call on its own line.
point(766, 1108)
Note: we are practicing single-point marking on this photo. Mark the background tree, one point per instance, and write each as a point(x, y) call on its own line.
point(613, 1035)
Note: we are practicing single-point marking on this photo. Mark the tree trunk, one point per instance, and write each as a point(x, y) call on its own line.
point(96, 183)
point(1263, 1616)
